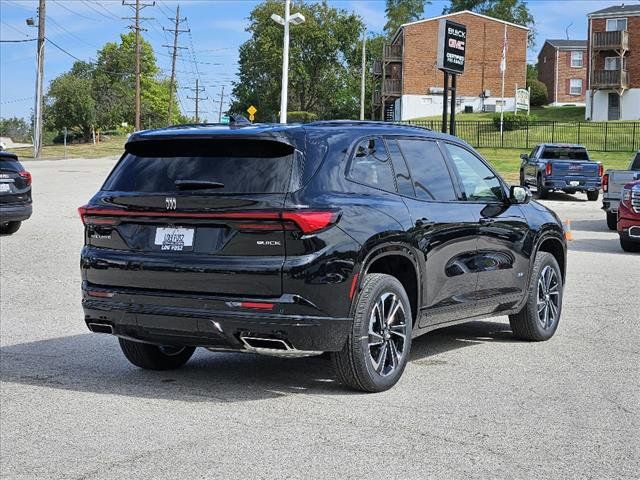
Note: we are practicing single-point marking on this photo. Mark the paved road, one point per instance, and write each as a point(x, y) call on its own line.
point(472, 403)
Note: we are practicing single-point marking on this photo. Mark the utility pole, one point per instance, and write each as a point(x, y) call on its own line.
point(364, 66)
point(197, 98)
point(37, 127)
point(138, 6)
point(221, 101)
point(175, 31)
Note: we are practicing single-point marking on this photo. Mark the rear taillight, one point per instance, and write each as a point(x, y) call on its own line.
point(548, 169)
point(600, 170)
point(26, 176)
point(308, 221)
point(605, 182)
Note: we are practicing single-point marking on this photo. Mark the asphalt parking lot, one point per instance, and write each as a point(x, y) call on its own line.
point(472, 403)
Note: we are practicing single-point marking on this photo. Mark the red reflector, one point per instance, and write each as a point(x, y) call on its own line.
point(600, 170)
point(310, 222)
point(548, 169)
point(99, 294)
point(354, 284)
point(605, 183)
point(258, 305)
point(27, 177)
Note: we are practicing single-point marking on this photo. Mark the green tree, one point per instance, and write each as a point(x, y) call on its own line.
point(69, 102)
point(539, 95)
point(532, 71)
point(17, 129)
point(323, 59)
point(514, 11)
point(399, 12)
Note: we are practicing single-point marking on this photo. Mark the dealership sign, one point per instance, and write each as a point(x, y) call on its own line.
point(522, 98)
point(452, 40)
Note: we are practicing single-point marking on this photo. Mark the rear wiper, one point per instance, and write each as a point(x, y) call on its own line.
point(197, 184)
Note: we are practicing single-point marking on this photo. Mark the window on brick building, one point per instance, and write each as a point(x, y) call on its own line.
point(576, 58)
point(616, 24)
point(575, 86)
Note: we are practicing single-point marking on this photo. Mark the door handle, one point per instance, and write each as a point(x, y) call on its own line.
point(424, 222)
point(487, 221)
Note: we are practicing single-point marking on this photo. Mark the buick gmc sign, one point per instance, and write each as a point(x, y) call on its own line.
point(452, 40)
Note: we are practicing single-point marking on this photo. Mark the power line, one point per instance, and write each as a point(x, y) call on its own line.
point(108, 15)
point(19, 41)
point(75, 13)
point(15, 29)
point(176, 31)
point(71, 33)
point(63, 50)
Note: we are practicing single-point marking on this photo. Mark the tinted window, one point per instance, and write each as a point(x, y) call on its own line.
point(565, 153)
point(370, 165)
point(636, 163)
point(237, 167)
point(10, 164)
point(431, 178)
point(479, 182)
point(403, 179)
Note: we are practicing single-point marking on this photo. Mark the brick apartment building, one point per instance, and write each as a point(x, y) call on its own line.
point(410, 86)
point(562, 67)
point(613, 84)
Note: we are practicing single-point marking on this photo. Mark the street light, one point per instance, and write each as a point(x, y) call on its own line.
point(288, 19)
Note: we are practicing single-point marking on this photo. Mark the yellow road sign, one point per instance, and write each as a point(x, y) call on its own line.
point(251, 118)
point(252, 111)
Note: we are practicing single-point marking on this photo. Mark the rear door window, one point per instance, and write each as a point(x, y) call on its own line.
point(371, 166)
point(431, 178)
point(403, 178)
point(635, 165)
point(223, 167)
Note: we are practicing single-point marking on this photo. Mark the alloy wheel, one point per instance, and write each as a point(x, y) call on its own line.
point(387, 334)
point(548, 304)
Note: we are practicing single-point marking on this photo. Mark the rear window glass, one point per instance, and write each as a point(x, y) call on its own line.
point(10, 165)
point(228, 167)
point(370, 165)
point(565, 153)
point(635, 165)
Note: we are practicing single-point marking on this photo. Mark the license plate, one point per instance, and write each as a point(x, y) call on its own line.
point(174, 239)
point(574, 183)
point(5, 187)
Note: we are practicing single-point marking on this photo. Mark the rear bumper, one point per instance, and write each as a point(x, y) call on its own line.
point(210, 322)
point(15, 213)
point(610, 204)
point(584, 184)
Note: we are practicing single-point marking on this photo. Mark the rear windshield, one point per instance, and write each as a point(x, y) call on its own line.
point(230, 167)
point(565, 153)
point(635, 165)
point(8, 164)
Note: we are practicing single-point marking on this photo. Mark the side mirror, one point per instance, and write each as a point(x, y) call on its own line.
point(519, 195)
point(524, 156)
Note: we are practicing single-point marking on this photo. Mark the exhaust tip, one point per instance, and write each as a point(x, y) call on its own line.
point(100, 327)
point(265, 343)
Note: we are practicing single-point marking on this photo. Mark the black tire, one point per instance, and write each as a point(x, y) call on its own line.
point(9, 228)
point(542, 192)
point(155, 357)
point(629, 246)
point(593, 195)
point(527, 324)
point(355, 365)
point(612, 220)
point(522, 180)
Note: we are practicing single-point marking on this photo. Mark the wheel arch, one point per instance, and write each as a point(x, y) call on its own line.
point(556, 247)
point(400, 262)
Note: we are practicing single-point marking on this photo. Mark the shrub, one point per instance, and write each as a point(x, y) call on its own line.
point(513, 121)
point(539, 95)
point(301, 117)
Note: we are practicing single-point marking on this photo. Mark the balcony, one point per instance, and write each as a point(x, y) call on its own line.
point(392, 53)
point(611, 40)
point(392, 87)
point(377, 68)
point(608, 79)
point(377, 98)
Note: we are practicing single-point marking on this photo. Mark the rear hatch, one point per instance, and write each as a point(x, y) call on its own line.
point(571, 162)
point(196, 216)
point(15, 182)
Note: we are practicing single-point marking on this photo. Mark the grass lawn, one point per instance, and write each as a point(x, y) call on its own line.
point(560, 114)
point(107, 147)
point(507, 160)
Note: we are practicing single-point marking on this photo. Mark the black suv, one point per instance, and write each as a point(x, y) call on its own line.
point(15, 193)
point(343, 237)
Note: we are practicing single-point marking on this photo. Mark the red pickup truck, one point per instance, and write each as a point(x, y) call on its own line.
point(629, 217)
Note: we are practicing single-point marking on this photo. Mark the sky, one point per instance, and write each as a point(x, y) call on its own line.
point(217, 28)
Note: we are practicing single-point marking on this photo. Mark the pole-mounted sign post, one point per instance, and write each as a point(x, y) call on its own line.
point(452, 40)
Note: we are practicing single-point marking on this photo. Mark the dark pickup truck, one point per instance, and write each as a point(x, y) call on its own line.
point(563, 167)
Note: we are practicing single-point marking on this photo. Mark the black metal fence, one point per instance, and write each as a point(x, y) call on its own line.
point(596, 136)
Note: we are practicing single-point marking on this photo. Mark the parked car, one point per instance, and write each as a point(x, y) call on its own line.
point(563, 167)
point(343, 237)
point(15, 193)
point(612, 183)
point(629, 217)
